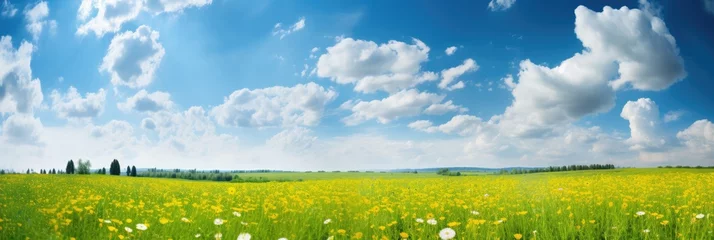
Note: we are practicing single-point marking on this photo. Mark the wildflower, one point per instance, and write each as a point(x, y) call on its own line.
point(517, 236)
point(237, 214)
point(163, 221)
point(244, 223)
point(121, 236)
point(475, 213)
point(431, 221)
point(665, 222)
point(327, 221)
point(128, 220)
point(244, 236)
point(185, 220)
point(218, 222)
point(218, 236)
point(107, 221)
point(646, 231)
point(640, 213)
point(141, 227)
point(341, 231)
point(534, 232)
point(331, 238)
point(231, 191)
point(128, 229)
point(282, 238)
point(700, 216)
point(198, 235)
point(112, 229)
point(453, 224)
point(485, 195)
point(357, 235)
point(404, 235)
point(447, 233)
point(419, 220)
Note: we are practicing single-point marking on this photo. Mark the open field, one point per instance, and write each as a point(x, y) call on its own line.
point(292, 176)
point(605, 204)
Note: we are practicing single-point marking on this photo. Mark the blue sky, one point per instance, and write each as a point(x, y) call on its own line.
point(171, 87)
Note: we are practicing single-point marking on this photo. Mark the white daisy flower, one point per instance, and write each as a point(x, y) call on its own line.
point(475, 212)
point(447, 233)
point(107, 221)
point(185, 220)
point(244, 236)
point(419, 220)
point(197, 235)
point(237, 214)
point(218, 222)
point(640, 213)
point(700, 216)
point(331, 238)
point(218, 236)
point(282, 238)
point(327, 221)
point(646, 231)
point(244, 223)
point(128, 229)
point(141, 227)
point(431, 221)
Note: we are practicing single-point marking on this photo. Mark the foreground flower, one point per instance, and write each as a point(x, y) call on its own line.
point(447, 233)
point(640, 213)
point(237, 214)
point(218, 222)
point(218, 236)
point(128, 229)
point(198, 235)
point(475, 212)
point(646, 231)
point(141, 227)
point(700, 216)
point(107, 221)
point(331, 238)
point(244, 236)
point(404, 235)
point(163, 221)
point(431, 221)
point(185, 220)
point(327, 221)
point(282, 238)
point(419, 220)
point(517, 236)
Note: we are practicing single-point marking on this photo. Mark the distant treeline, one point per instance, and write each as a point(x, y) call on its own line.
point(559, 169)
point(680, 166)
point(208, 175)
point(446, 172)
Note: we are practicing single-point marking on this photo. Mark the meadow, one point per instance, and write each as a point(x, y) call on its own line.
point(605, 204)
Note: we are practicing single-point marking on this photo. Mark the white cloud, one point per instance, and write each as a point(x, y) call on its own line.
point(401, 104)
point(464, 125)
point(18, 91)
point(8, 9)
point(35, 18)
point(143, 101)
point(148, 124)
point(643, 115)
point(304, 71)
point(390, 67)
point(22, 128)
point(450, 50)
point(109, 15)
point(443, 108)
point(500, 5)
point(295, 140)
point(699, 137)
point(452, 74)
point(301, 104)
point(297, 26)
point(72, 105)
point(672, 116)
point(132, 57)
point(709, 6)
point(508, 82)
point(545, 97)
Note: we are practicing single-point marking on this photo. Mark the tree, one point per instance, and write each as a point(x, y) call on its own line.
point(133, 171)
point(84, 167)
point(128, 171)
point(70, 167)
point(115, 168)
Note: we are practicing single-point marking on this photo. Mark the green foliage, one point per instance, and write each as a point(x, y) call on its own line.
point(115, 168)
point(133, 171)
point(559, 169)
point(83, 167)
point(70, 167)
point(447, 172)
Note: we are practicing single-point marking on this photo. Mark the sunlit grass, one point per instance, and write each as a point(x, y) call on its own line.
point(585, 205)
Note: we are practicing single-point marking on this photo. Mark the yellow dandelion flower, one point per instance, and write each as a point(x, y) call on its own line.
point(517, 236)
point(163, 221)
point(404, 235)
point(453, 224)
point(341, 231)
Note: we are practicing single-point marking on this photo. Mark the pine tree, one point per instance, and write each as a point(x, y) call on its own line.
point(128, 171)
point(115, 168)
point(70, 167)
point(133, 171)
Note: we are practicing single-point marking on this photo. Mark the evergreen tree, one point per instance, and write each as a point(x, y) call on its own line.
point(133, 171)
point(70, 167)
point(128, 171)
point(115, 168)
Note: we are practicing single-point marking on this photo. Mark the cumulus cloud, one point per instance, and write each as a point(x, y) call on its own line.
point(36, 19)
point(148, 124)
point(143, 101)
point(450, 50)
point(401, 104)
point(500, 5)
point(22, 128)
point(301, 104)
point(109, 15)
point(508, 82)
point(132, 57)
point(390, 67)
point(452, 74)
point(18, 91)
point(672, 116)
point(464, 125)
point(699, 136)
point(545, 97)
point(72, 105)
point(297, 26)
point(8, 9)
point(443, 108)
point(643, 115)
point(295, 140)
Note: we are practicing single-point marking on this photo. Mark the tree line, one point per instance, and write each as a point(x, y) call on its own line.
point(680, 166)
point(559, 169)
point(82, 167)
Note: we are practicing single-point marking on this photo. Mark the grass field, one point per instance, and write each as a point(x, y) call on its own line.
point(605, 204)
